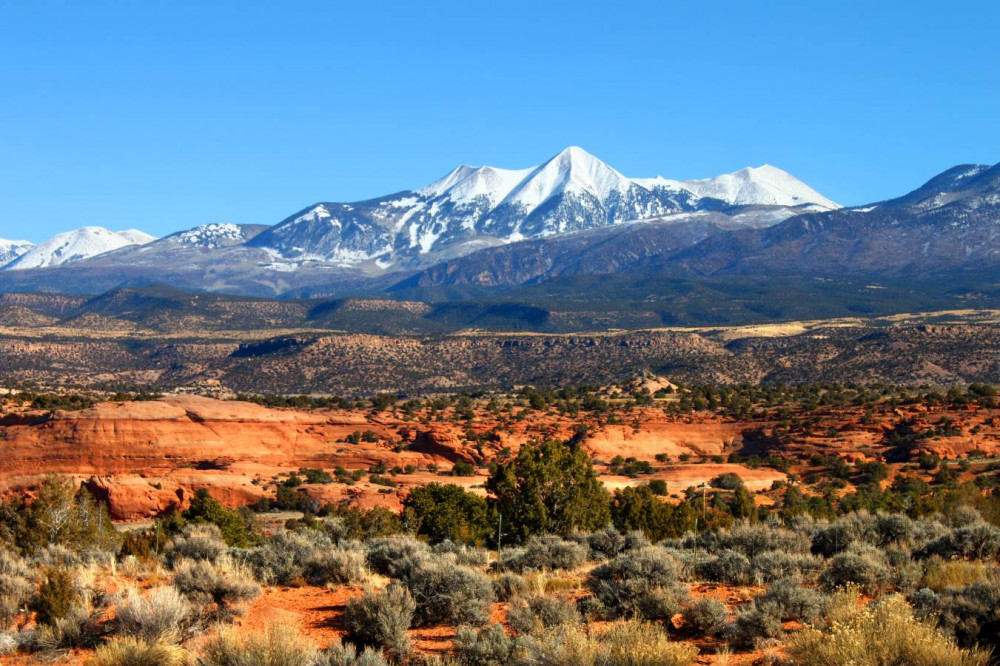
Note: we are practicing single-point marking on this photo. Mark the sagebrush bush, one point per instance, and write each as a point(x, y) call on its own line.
point(338, 565)
point(534, 612)
point(793, 600)
point(866, 569)
point(772, 565)
point(138, 651)
point(16, 587)
point(486, 647)
point(729, 566)
point(345, 654)
point(752, 539)
point(509, 585)
point(281, 559)
point(883, 633)
point(979, 541)
point(854, 528)
point(625, 583)
point(277, 645)
point(971, 614)
point(451, 594)
point(221, 587)
point(548, 552)
point(162, 614)
point(9, 643)
point(706, 616)
point(197, 542)
point(77, 628)
point(379, 619)
point(396, 556)
point(756, 622)
point(468, 556)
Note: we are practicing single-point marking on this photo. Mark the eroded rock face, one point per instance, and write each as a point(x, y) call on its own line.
point(146, 459)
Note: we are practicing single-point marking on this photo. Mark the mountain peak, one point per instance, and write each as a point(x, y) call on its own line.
point(76, 245)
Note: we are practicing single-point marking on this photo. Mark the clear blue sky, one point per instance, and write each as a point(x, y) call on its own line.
point(165, 115)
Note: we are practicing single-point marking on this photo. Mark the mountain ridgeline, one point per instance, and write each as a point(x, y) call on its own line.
point(573, 234)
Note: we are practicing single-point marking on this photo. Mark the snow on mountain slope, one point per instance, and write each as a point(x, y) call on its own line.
point(75, 246)
point(136, 237)
point(211, 236)
point(12, 249)
point(765, 185)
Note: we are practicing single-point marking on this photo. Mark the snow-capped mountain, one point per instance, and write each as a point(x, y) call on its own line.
point(476, 207)
point(12, 249)
point(77, 245)
point(764, 185)
point(215, 236)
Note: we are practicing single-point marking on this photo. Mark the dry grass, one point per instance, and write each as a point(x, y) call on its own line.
point(134, 651)
point(879, 634)
point(941, 574)
point(278, 645)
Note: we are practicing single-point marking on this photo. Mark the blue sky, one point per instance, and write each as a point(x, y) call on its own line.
point(166, 115)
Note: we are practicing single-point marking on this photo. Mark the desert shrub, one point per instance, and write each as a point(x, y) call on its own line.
point(278, 645)
point(220, 587)
point(752, 539)
point(774, 564)
point(446, 511)
point(794, 600)
point(978, 541)
point(160, 614)
point(661, 604)
point(728, 567)
point(77, 628)
point(16, 588)
point(339, 565)
point(534, 612)
point(509, 585)
point(196, 542)
point(971, 613)
point(345, 654)
point(486, 647)
point(550, 488)
point(606, 543)
point(468, 556)
point(865, 569)
point(56, 555)
point(591, 608)
point(623, 584)
point(450, 594)
point(9, 643)
point(282, 559)
point(56, 596)
point(756, 622)
point(853, 528)
point(396, 556)
point(881, 633)
point(706, 616)
point(894, 528)
point(139, 651)
point(548, 552)
point(379, 619)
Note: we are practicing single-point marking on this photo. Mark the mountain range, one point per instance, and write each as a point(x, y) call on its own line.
point(479, 229)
